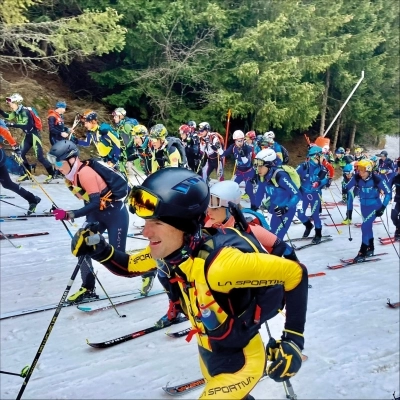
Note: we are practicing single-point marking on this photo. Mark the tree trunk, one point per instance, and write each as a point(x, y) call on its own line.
point(352, 136)
point(324, 103)
point(336, 134)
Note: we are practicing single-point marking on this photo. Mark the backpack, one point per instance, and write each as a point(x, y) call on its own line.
point(173, 141)
point(115, 181)
point(291, 172)
point(219, 136)
point(285, 155)
point(37, 122)
point(258, 218)
point(131, 121)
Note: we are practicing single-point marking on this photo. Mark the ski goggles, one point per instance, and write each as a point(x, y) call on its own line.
point(144, 203)
point(216, 202)
point(259, 163)
point(53, 160)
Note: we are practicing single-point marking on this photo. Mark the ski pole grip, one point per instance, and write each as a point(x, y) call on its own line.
point(92, 240)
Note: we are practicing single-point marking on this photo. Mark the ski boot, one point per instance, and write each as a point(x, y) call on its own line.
point(318, 236)
point(349, 214)
point(147, 284)
point(23, 178)
point(172, 315)
point(82, 294)
point(397, 234)
point(49, 178)
point(370, 249)
point(360, 257)
point(309, 227)
point(32, 206)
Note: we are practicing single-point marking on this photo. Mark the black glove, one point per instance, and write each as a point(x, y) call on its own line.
point(380, 212)
point(80, 245)
point(140, 150)
point(17, 151)
point(285, 357)
point(215, 148)
point(344, 197)
point(279, 211)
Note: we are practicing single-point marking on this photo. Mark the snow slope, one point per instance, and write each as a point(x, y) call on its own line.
point(352, 337)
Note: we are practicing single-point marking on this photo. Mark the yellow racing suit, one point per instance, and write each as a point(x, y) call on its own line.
point(241, 288)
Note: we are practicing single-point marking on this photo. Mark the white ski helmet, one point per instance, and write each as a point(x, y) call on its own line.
point(268, 156)
point(223, 192)
point(269, 135)
point(238, 135)
point(119, 111)
point(15, 98)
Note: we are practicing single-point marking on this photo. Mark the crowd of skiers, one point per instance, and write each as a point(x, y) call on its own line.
point(180, 206)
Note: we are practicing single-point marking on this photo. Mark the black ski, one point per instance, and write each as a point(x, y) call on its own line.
point(393, 305)
point(22, 235)
point(178, 334)
point(93, 309)
point(28, 216)
point(311, 244)
point(130, 336)
point(18, 313)
point(13, 219)
point(307, 238)
point(344, 265)
point(351, 260)
point(2, 196)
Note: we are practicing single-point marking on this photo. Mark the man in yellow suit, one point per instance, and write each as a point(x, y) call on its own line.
point(228, 286)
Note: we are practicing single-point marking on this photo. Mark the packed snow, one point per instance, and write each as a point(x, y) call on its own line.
point(352, 336)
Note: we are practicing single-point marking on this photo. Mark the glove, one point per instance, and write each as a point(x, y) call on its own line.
point(315, 185)
point(279, 211)
point(380, 212)
point(140, 150)
point(17, 151)
point(329, 182)
point(285, 357)
point(344, 197)
point(62, 215)
point(383, 171)
point(74, 139)
point(215, 148)
point(80, 246)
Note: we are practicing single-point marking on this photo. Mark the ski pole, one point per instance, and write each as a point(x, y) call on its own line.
point(389, 236)
point(50, 328)
point(326, 208)
point(22, 374)
point(9, 241)
point(12, 204)
point(286, 384)
point(350, 238)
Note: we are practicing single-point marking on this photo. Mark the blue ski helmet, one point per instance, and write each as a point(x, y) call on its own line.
point(314, 150)
point(348, 169)
point(340, 150)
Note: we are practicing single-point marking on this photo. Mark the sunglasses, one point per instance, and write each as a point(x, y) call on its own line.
point(53, 160)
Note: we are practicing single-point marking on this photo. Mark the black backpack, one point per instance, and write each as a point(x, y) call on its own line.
point(285, 155)
point(115, 181)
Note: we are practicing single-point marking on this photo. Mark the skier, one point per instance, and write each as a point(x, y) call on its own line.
point(348, 195)
point(104, 137)
point(25, 121)
point(5, 179)
point(243, 171)
point(209, 145)
point(314, 177)
point(251, 141)
point(369, 185)
point(280, 188)
point(87, 185)
point(225, 302)
point(139, 147)
point(191, 143)
point(57, 129)
point(269, 141)
point(124, 125)
point(385, 166)
point(359, 154)
point(219, 216)
point(395, 214)
point(341, 158)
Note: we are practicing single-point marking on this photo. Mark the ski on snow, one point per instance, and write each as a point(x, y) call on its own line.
point(18, 313)
point(388, 240)
point(357, 224)
point(22, 235)
point(17, 217)
point(350, 260)
point(178, 334)
point(93, 309)
point(393, 305)
point(12, 219)
point(306, 238)
point(349, 264)
point(312, 244)
point(130, 336)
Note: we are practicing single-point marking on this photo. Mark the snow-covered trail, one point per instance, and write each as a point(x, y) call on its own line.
point(352, 337)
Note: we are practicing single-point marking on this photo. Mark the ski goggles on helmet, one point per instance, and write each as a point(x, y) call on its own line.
point(259, 163)
point(143, 203)
point(53, 160)
point(216, 202)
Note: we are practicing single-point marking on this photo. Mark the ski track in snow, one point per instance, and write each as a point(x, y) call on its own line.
point(351, 336)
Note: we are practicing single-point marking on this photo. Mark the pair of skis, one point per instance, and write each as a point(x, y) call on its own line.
point(357, 224)
point(350, 261)
point(388, 240)
point(21, 235)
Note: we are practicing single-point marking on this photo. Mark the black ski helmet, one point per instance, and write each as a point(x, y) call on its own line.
point(182, 195)
point(63, 150)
